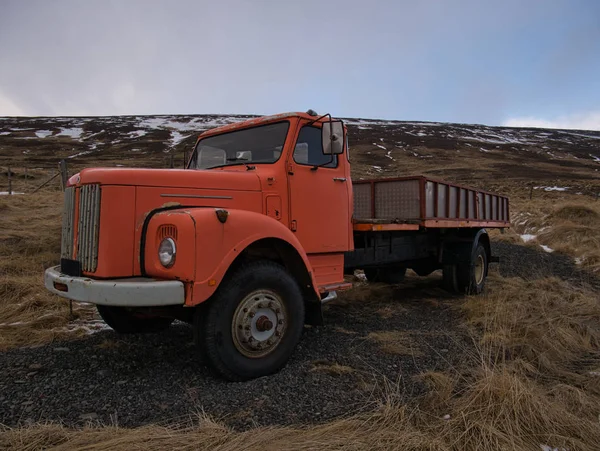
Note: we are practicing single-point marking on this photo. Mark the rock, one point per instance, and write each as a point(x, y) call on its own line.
point(35, 366)
point(443, 351)
point(26, 403)
point(101, 373)
point(121, 382)
point(61, 349)
point(32, 373)
point(88, 416)
point(20, 382)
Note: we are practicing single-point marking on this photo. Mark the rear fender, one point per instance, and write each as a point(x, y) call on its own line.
point(219, 244)
point(460, 248)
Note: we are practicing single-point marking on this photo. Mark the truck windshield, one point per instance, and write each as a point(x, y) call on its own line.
point(262, 144)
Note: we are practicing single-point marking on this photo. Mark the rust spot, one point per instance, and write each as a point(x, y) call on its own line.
point(170, 204)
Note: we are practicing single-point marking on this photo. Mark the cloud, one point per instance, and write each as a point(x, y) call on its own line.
point(579, 121)
point(8, 107)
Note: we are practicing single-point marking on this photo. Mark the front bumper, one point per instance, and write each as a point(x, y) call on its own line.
point(133, 292)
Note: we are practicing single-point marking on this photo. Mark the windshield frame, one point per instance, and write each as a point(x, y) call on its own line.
point(192, 164)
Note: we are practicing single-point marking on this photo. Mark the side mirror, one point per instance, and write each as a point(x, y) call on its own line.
point(332, 135)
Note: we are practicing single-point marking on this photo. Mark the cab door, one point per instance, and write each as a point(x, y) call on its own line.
point(319, 193)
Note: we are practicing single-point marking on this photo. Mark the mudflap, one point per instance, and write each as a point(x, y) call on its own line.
point(313, 313)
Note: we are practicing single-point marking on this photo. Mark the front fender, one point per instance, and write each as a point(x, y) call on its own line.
point(219, 244)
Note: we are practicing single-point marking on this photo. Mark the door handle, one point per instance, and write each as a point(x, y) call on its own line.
point(339, 179)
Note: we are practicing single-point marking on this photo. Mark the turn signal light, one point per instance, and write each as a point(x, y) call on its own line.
point(61, 287)
point(222, 215)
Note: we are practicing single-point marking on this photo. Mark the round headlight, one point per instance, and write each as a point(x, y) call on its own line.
point(166, 252)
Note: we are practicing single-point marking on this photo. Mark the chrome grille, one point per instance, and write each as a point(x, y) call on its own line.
point(89, 224)
point(66, 245)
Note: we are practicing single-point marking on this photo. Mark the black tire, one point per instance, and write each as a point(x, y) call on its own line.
point(125, 320)
point(450, 281)
point(216, 324)
point(386, 274)
point(471, 277)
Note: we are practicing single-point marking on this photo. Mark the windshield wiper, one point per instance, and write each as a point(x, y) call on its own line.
point(233, 160)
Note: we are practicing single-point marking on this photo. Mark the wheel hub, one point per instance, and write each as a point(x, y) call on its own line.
point(259, 323)
point(479, 269)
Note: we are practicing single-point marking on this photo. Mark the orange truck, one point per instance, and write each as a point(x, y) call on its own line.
point(257, 232)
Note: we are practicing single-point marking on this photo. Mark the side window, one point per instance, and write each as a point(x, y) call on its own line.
point(309, 149)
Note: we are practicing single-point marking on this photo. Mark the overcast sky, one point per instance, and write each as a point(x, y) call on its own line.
point(517, 62)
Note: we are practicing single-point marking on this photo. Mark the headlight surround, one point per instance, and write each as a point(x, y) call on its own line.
point(166, 252)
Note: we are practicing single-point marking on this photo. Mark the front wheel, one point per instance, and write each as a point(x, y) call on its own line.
point(253, 323)
point(124, 320)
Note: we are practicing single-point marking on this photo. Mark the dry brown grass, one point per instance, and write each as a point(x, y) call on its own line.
point(396, 342)
point(571, 228)
point(529, 381)
point(331, 368)
point(29, 243)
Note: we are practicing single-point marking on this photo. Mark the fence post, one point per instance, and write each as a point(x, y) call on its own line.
point(9, 182)
point(172, 161)
point(184, 159)
point(64, 175)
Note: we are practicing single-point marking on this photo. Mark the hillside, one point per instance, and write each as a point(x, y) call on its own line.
point(490, 156)
point(404, 366)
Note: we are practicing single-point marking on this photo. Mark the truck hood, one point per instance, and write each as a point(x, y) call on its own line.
point(172, 178)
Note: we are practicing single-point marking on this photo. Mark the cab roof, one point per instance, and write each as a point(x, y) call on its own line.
point(261, 120)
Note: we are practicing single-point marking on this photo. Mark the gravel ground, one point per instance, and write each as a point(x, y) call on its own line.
point(135, 380)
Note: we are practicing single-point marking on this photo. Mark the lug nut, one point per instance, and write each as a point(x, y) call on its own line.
point(270, 305)
point(245, 310)
point(251, 315)
point(247, 327)
point(278, 334)
point(277, 310)
point(260, 305)
point(280, 321)
point(240, 326)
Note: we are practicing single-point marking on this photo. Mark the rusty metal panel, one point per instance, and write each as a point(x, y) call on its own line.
point(66, 246)
point(88, 227)
point(462, 211)
point(441, 210)
point(488, 207)
point(453, 203)
point(397, 200)
point(480, 205)
point(362, 200)
point(472, 205)
point(429, 199)
point(495, 208)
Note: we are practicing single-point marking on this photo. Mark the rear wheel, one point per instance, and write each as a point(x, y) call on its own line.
point(253, 323)
point(126, 320)
point(468, 277)
point(471, 277)
point(386, 274)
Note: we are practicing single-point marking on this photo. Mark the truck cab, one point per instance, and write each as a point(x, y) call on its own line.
point(245, 243)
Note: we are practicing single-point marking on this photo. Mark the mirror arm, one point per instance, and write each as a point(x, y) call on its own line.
point(318, 119)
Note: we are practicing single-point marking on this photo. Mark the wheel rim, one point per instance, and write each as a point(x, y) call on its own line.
point(479, 269)
point(259, 324)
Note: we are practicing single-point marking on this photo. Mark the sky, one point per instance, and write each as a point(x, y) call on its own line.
point(517, 63)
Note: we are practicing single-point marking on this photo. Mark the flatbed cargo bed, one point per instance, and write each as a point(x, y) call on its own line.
point(410, 203)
